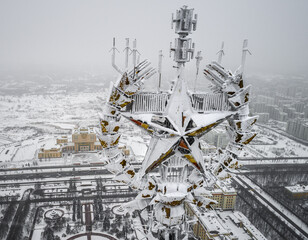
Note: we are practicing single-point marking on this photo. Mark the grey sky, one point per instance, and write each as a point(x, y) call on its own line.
point(78, 33)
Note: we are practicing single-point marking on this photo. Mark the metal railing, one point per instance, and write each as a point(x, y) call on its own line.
point(147, 102)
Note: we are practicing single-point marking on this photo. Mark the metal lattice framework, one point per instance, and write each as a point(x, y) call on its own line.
point(176, 120)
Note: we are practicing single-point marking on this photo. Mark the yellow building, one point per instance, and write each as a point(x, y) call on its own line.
point(50, 153)
point(224, 195)
point(62, 139)
point(68, 147)
point(84, 139)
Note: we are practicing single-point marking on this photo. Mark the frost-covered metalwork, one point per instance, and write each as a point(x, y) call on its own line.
point(176, 120)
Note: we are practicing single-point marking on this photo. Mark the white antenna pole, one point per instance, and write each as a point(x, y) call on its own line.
point(114, 49)
point(126, 49)
point(134, 52)
point(198, 60)
point(160, 58)
point(220, 53)
point(244, 52)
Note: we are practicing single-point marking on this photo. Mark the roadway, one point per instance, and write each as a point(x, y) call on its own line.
point(273, 158)
point(273, 161)
point(54, 174)
point(109, 195)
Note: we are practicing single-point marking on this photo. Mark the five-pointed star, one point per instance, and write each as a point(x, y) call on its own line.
point(177, 130)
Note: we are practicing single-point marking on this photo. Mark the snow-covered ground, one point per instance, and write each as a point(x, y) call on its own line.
point(29, 115)
point(270, 144)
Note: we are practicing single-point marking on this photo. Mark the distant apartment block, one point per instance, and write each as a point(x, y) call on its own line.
point(286, 106)
point(298, 128)
point(217, 137)
point(263, 117)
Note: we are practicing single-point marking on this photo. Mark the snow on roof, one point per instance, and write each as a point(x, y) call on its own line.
point(299, 188)
point(210, 221)
point(225, 187)
point(62, 137)
point(81, 130)
point(250, 227)
point(68, 144)
point(228, 223)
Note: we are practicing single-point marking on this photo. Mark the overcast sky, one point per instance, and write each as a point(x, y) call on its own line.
point(78, 33)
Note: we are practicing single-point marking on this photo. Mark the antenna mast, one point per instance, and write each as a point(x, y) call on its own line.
point(198, 60)
point(220, 53)
point(114, 49)
point(126, 49)
point(134, 52)
point(244, 52)
point(160, 58)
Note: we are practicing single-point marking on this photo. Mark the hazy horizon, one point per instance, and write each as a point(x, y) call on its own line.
point(76, 34)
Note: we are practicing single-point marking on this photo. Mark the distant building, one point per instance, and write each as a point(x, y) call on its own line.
point(299, 106)
point(54, 152)
point(263, 117)
point(298, 191)
point(84, 139)
point(217, 137)
point(265, 99)
point(280, 108)
point(259, 107)
point(306, 112)
point(62, 139)
point(298, 128)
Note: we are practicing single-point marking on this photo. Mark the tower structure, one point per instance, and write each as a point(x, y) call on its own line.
point(176, 121)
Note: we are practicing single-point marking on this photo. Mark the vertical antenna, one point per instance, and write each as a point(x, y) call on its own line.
point(134, 52)
point(198, 60)
point(114, 49)
point(220, 53)
point(244, 52)
point(160, 58)
point(126, 49)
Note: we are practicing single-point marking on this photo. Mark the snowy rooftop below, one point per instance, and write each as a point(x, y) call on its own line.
point(228, 223)
point(299, 188)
